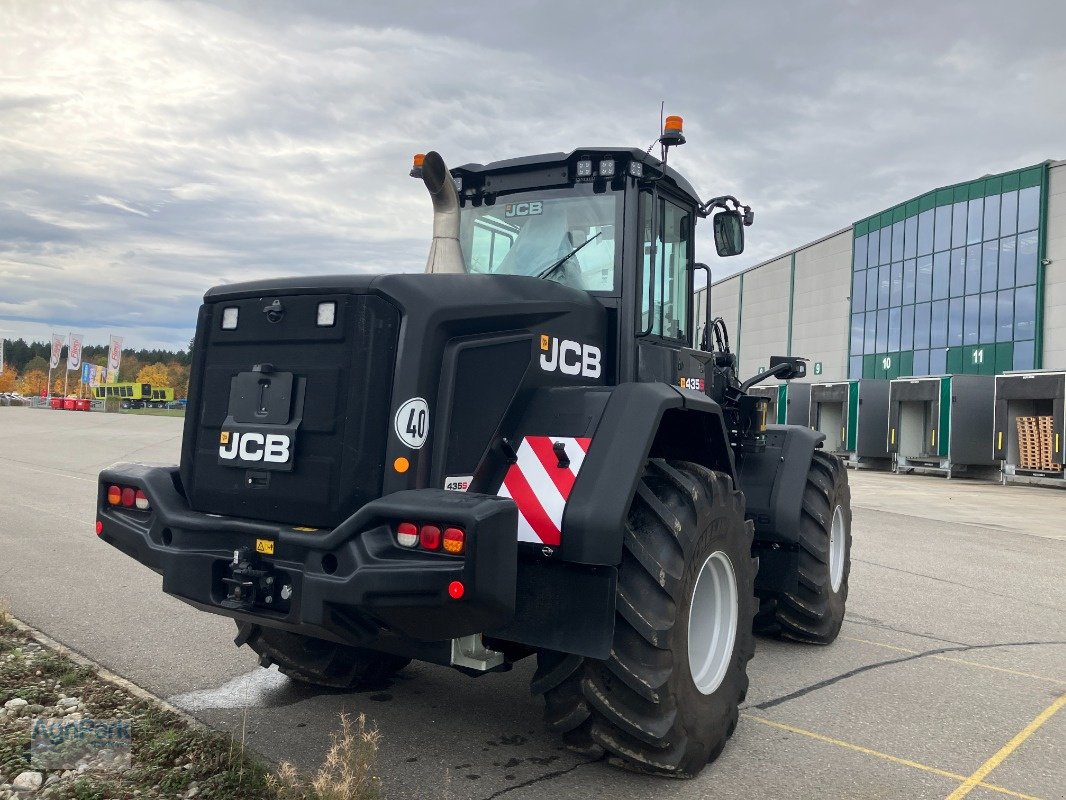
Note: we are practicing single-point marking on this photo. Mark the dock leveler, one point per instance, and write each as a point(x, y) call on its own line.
point(853, 415)
point(1029, 426)
point(941, 424)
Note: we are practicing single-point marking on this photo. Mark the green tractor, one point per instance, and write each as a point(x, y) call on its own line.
point(534, 449)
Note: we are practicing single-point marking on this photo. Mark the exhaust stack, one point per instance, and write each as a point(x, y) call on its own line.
point(445, 255)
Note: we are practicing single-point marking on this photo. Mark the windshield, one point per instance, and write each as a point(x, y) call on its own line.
point(527, 233)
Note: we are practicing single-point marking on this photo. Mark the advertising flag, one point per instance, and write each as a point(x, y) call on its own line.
point(114, 354)
point(57, 349)
point(86, 373)
point(74, 352)
point(1, 356)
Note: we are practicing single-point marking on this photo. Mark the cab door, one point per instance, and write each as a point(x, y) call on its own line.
point(664, 303)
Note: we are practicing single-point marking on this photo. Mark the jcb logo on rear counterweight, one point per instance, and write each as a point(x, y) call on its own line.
point(270, 447)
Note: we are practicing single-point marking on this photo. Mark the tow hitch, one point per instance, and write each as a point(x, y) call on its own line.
point(251, 583)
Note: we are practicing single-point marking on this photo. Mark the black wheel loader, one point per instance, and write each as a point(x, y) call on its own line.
point(534, 449)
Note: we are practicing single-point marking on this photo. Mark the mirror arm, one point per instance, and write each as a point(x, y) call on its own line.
point(727, 203)
point(780, 369)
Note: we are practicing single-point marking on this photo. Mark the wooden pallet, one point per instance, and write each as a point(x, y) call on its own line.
point(1035, 436)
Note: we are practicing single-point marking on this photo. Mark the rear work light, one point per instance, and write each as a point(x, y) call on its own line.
point(229, 318)
point(454, 541)
point(327, 315)
point(407, 534)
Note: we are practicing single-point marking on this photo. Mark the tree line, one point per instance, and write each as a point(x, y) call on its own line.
point(26, 368)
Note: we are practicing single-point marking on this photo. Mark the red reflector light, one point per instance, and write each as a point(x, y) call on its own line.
point(99, 527)
point(114, 495)
point(454, 541)
point(141, 500)
point(129, 496)
point(407, 534)
point(429, 537)
point(456, 589)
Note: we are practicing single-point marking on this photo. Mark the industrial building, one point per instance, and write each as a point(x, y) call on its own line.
point(962, 279)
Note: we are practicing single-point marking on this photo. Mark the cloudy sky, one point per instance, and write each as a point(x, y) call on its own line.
point(149, 150)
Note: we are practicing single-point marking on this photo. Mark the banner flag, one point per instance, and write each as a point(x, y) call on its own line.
point(57, 349)
point(74, 352)
point(114, 354)
point(86, 373)
point(1, 356)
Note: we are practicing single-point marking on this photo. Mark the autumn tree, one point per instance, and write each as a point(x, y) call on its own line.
point(9, 380)
point(36, 364)
point(155, 374)
point(128, 370)
point(179, 379)
point(33, 382)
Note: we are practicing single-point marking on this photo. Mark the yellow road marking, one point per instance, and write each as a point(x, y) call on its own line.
point(958, 661)
point(885, 756)
point(982, 771)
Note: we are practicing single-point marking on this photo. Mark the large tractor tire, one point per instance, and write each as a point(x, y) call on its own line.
point(318, 662)
point(667, 698)
point(814, 612)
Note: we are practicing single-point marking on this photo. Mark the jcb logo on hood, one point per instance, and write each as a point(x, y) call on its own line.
point(569, 358)
point(271, 447)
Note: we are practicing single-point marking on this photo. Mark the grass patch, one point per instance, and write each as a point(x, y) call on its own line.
point(168, 757)
point(155, 412)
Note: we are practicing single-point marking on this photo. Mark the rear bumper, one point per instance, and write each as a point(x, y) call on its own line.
point(352, 584)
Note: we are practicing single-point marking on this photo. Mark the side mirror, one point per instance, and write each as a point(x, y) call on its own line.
point(790, 367)
point(728, 233)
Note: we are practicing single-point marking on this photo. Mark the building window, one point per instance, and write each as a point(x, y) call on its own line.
point(948, 282)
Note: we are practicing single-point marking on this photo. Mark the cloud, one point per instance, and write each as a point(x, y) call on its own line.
point(153, 149)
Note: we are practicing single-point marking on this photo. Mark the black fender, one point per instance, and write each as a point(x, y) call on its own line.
point(773, 479)
point(640, 421)
point(565, 598)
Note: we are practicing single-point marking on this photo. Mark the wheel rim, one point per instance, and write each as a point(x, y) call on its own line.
point(837, 539)
point(712, 622)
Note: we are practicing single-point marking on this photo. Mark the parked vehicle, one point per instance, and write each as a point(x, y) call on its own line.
point(521, 453)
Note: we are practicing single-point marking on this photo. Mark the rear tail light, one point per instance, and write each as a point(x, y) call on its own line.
point(454, 541)
point(429, 537)
point(128, 497)
point(407, 534)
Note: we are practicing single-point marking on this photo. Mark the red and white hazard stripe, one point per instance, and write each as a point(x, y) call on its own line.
point(540, 487)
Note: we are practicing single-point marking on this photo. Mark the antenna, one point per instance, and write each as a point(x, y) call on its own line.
point(662, 109)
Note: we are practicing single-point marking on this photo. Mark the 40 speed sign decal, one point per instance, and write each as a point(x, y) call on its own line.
point(412, 422)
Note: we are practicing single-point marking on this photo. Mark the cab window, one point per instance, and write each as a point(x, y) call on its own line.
point(664, 283)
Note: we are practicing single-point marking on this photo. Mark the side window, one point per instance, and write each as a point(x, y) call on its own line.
point(664, 282)
point(489, 245)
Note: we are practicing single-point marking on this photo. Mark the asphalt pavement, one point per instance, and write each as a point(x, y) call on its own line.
point(945, 682)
